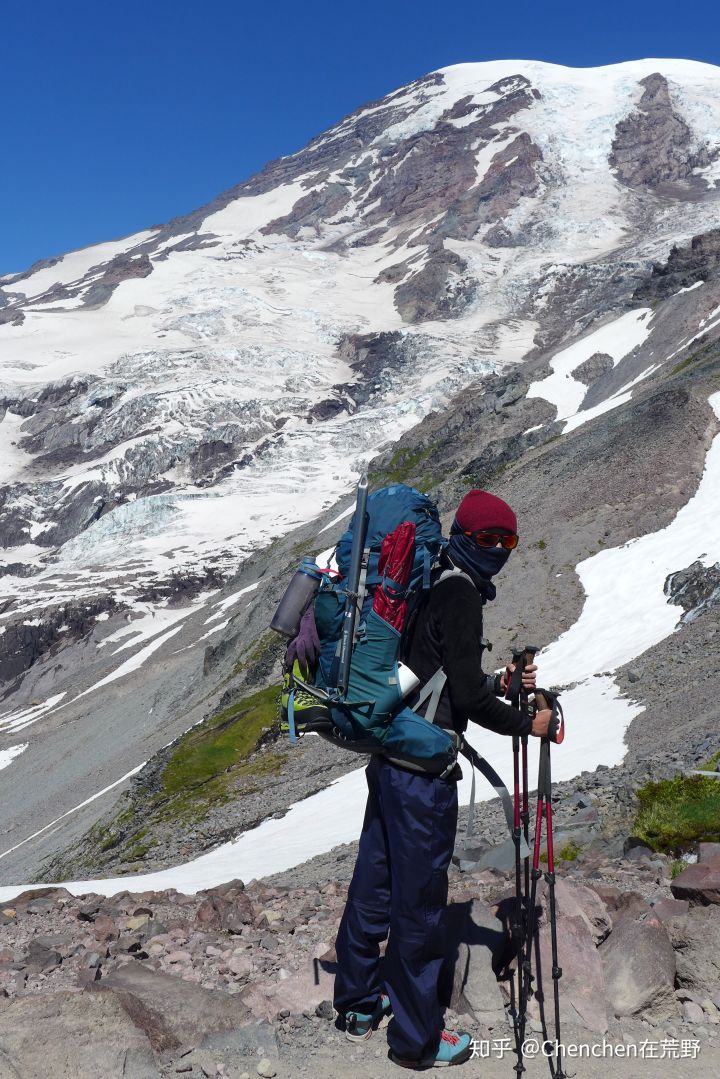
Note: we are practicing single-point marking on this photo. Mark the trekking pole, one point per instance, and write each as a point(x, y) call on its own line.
point(528, 658)
point(519, 698)
point(556, 733)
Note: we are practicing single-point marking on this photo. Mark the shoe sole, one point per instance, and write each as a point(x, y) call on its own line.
point(426, 1065)
point(359, 1037)
point(368, 1034)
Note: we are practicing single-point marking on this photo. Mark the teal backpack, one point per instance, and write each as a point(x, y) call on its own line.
point(364, 709)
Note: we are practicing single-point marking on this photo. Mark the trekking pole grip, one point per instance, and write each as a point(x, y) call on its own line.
point(514, 686)
point(556, 730)
point(529, 652)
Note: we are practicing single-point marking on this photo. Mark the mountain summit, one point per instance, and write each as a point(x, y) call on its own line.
point(315, 311)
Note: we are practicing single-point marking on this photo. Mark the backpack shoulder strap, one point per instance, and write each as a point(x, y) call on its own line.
point(454, 572)
point(432, 691)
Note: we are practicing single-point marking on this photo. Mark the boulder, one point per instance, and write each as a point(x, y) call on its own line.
point(105, 928)
point(667, 908)
point(709, 852)
point(640, 854)
point(475, 986)
point(620, 904)
point(72, 1034)
point(33, 896)
point(699, 883)
point(639, 966)
point(582, 985)
point(230, 912)
point(40, 958)
point(578, 899)
point(692, 1013)
point(170, 1011)
point(696, 940)
point(477, 946)
point(582, 919)
point(230, 889)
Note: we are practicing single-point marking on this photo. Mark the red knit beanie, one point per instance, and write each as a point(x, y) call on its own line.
point(480, 510)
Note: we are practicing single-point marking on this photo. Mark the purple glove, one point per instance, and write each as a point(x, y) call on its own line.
point(305, 647)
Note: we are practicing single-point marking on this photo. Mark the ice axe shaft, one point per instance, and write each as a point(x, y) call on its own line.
point(360, 522)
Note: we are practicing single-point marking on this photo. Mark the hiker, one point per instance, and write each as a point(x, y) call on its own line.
point(399, 885)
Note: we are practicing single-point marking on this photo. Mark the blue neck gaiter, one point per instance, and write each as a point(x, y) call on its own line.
point(481, 563)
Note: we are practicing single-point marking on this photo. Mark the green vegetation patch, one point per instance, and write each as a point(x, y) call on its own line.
point(208, 757)
point(569, 851)
point(683, 365)
point(674, 814)
point(400, 467)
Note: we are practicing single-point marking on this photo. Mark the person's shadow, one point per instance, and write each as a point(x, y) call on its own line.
point(460, 928)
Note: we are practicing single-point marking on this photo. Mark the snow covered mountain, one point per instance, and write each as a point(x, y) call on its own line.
point(529, 244)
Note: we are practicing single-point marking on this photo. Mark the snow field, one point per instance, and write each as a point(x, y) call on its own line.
point(616, 339)
point(8, 755)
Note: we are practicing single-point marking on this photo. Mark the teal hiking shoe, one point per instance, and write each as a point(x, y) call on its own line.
point(453, 1049)
point(359, 1025)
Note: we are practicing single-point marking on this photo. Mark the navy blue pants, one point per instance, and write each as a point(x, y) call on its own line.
point(399, 887)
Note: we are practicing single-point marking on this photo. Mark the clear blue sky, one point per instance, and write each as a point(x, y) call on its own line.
point(119, 114)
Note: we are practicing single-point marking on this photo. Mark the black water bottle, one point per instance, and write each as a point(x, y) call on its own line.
point(298, 596)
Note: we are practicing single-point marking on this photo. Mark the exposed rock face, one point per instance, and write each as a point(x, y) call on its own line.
point(686, 265)
point(433, 173)
point(652, 146)
point(492, 417)
point(25, 641)
point(593, 368)
point(10, 317)
point(442, 289)
point(380, 362)
point(318, 205)
point(98, 284)
point(121, 268)
point(696, 589)
point(573, 294)
point(512, 176)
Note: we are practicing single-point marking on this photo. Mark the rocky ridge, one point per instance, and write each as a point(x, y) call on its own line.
point(237, 980)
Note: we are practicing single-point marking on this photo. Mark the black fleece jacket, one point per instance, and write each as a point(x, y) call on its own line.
point(448, 633)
